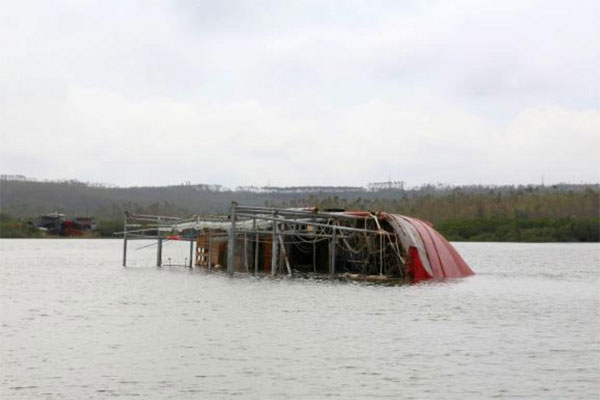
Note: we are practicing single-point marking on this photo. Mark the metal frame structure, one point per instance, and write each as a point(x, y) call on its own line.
point(356, 243)
point(151, 227)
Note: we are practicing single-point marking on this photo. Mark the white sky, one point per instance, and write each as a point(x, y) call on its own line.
point(301, 92)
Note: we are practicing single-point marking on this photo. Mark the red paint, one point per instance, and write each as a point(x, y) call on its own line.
point(445, 260)
point(429, 254)
point(415, 267)
point(70, 228)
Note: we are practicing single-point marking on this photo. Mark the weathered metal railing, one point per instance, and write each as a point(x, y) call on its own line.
point(278, 227)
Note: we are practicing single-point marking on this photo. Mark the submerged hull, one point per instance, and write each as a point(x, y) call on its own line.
point(430, 255)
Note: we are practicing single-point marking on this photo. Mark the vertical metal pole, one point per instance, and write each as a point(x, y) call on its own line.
point(191, 252)
point(315, 255)
point(231, 245)
point(274, 248)
point(209, 256)
point(256, 247)
point(159, 252)
point(125, 239)
point(380, 253)
point(158, 244)
point(285, 256)
point(332, 253)
point(246, 253)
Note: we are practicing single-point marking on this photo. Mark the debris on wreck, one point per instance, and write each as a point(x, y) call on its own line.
point(358, 245)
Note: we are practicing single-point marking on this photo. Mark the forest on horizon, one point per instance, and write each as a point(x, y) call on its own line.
point(532, 213)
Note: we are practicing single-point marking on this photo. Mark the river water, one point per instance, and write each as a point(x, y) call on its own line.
point(74, 324)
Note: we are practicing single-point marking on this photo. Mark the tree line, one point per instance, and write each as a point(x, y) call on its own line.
point(563, 212)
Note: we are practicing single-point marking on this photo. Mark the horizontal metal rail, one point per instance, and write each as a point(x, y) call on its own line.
point(298, 213)
point(308, 236)
point(310, 223)
point(151, 217)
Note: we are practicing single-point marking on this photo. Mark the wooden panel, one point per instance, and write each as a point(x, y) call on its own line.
point(266, 254)
point(203, 258)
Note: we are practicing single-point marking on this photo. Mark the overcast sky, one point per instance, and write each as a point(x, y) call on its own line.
point(301, 92)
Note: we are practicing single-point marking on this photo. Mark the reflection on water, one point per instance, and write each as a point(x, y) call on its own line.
point(74, 324)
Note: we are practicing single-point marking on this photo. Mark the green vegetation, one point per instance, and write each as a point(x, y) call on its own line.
point(107, 228)
point(521, 230)
point(13, 228)
point(531, 213)
point(23, 228)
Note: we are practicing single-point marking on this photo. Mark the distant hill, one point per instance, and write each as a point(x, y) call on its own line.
point(23, 198)
point(564, 212)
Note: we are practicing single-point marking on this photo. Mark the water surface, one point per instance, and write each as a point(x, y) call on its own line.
point(74, 324)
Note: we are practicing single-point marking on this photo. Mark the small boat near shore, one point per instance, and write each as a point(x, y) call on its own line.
point(57, 224)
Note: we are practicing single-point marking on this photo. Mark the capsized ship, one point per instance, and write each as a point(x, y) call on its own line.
point(359, 245)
